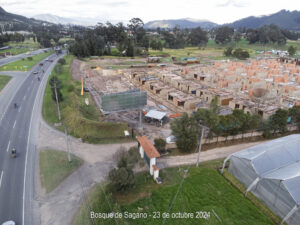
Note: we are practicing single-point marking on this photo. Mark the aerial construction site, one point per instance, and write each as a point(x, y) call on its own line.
point(261, 85)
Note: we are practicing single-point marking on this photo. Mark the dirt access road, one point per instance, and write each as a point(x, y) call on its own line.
point(59, 206)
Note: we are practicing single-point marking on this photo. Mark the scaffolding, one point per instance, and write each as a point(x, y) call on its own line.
point(133, 99)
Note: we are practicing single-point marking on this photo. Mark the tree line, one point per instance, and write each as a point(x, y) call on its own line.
point(186, 129)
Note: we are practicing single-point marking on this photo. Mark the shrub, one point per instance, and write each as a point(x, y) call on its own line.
point(160, 145)
point(240, 53)
point(62, 61)
point(29, 58)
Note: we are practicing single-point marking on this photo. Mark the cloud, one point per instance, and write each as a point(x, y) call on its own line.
point(234, 3)
point(18, 2)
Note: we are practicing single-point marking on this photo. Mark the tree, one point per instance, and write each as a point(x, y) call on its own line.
point(62, 61)
point(160, 145)
point(240, 54)
point(136, 27)
point(185, 130)
point(121, 179)
point(292, 50)
point(278, 121)
point(223, 35)
point(210, 119)
point(237, 36)
point(294, 113)
point(252, 36)
point(228, 51)
point(214, 105)
point(198, 37)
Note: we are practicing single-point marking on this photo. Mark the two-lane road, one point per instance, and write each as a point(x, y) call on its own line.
point(18, 129)
point(10, 59)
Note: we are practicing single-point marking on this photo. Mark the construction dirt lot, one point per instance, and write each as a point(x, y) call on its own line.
point(106, 76)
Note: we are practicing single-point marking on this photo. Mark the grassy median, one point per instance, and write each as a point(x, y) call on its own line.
point(55, 167)
point(3, 81)
point(83, 121)
point(26, 63)
point(204, 192)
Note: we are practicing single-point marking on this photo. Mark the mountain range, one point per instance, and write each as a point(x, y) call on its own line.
point(19, 21)
point(63, 20)
point(182, 23)
point(289, 20)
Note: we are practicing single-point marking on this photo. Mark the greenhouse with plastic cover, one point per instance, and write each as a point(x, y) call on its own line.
point(271, 171)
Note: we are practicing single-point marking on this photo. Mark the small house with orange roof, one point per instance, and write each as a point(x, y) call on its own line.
point(149, 153)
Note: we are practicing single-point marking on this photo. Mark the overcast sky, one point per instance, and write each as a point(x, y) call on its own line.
point(218, 11)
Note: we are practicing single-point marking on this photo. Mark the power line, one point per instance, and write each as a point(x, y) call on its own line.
point(183, 178)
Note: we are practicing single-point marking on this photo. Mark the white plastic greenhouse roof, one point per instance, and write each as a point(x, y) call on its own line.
point(278, 159)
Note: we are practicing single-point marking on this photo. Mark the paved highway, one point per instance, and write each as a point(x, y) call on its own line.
point(18, 129)
point(20, 56)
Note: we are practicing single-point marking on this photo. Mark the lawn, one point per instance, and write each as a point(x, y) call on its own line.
point(3, 81)
point(25, 64)
point(212, 51)
point(83, 121)
point(55, 168)
point(21, 47)
point(204, 193)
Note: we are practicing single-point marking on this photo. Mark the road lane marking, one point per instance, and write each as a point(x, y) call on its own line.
point(14, 124)
point(20, 109)
point(24, 97)
point(1, 178)
point(8, 146)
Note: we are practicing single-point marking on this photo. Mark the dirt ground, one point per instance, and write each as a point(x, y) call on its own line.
point(59, 206)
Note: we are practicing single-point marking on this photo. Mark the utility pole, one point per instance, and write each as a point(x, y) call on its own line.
point(59, 118)
point(200, 143)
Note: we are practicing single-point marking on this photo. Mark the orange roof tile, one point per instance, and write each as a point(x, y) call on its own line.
point(148, 147)
point(154, 167)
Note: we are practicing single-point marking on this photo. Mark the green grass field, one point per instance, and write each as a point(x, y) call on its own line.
point(26, 64)
point(3, 81)
point(55, 168)
point(21, 47)
point(82, 120)
point(203, 190)
point(212, 51)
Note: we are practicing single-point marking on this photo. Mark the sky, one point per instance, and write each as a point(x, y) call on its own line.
point(218, 11)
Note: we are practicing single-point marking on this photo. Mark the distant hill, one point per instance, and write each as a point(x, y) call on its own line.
point(289, 20)
point(182, 23)
point(19, 22)
point(63, 20)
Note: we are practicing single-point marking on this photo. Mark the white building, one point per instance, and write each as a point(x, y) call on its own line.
point(149, 153)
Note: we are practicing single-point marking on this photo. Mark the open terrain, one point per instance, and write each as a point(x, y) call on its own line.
point(204, 192)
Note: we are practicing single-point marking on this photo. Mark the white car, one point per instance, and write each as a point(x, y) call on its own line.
point(9, 223)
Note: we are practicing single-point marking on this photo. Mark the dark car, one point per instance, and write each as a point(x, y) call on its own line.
point(86, 89)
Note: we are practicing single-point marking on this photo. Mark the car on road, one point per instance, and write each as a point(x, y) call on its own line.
point(86, 89)
point(50, 60)
point(41, 64)
point(9, 223)
point(35, 72)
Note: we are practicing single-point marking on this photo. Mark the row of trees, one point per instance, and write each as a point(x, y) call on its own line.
point(16, 37)
point(238, 53)
point(186, 129)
